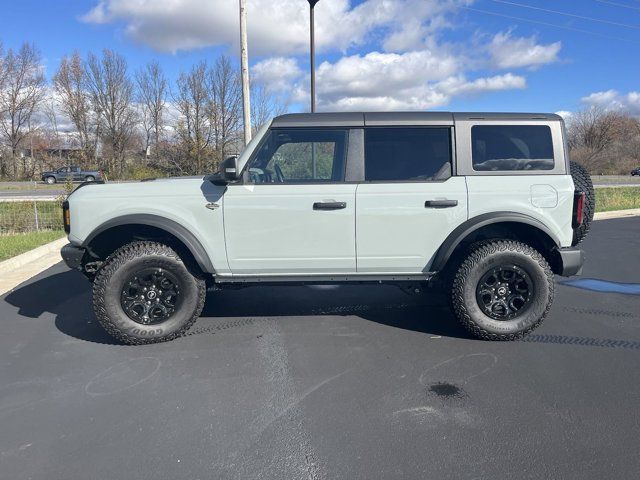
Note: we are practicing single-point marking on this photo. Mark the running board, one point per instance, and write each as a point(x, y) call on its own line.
point(322, 278)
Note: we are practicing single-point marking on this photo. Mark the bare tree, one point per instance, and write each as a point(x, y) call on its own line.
point(225, 106)
point(20, 96)
point(604, 141)
point(3, 70)
point(112, 97)
point(70, 85)
point(265, 106)
point(593, 128)
point(152, 93)
point(194, 128)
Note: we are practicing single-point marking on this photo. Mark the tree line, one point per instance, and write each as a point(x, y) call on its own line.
point(96, 113)
point(606, 142)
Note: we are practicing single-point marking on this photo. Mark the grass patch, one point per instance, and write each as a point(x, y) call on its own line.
point(29, 186)
point(617, 198)
point(15, 244)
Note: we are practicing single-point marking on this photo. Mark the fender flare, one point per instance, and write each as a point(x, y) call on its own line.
point(471, 225)
point(170, 226)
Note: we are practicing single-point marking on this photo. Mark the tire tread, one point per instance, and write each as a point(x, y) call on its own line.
point(477, 254)
point(115, 261)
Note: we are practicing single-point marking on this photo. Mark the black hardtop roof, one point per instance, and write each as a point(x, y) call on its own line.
point(356, 119)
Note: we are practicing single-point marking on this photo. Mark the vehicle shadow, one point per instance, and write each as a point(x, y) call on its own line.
point(67, 296)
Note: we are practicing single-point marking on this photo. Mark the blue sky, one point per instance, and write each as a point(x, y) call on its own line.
point(373, 54)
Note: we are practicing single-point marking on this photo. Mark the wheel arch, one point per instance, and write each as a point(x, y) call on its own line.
point(513, 225)
point(116, 232)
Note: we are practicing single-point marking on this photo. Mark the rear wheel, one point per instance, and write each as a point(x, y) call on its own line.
point(50, 180)
point(89, 178)
point(144, 293)
point(502, 290)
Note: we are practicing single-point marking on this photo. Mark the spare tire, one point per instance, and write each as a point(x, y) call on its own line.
point(583, 183)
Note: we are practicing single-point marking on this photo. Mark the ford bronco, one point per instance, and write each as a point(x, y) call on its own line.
point(486, 205)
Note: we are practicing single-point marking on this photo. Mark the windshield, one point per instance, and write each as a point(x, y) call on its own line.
point(248, 150)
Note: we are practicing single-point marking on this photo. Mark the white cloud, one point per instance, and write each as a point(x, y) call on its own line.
point(276, 73)
point(410, 67)
point(517, 52)
point(389, 81)
point(275, 26)
point(613, 100)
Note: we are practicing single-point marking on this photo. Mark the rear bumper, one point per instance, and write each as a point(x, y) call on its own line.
point(572, 261)
point(72, 256)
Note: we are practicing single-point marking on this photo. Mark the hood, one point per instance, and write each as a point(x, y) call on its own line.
point(164, 188)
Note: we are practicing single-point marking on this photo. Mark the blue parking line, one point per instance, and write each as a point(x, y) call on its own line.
point(606, 286)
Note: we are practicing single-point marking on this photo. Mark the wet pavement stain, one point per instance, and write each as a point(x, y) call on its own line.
point(446, 390)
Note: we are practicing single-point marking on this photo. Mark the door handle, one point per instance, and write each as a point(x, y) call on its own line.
point(329, 205)
point(440, 203)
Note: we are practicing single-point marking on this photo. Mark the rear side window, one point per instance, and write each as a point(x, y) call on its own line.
point(407, 154)
point(511, 147)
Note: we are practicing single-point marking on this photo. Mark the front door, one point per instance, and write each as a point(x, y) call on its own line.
point(293, 214)
point(409, 201)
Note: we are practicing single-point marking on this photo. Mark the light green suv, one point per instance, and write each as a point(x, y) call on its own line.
point(485, 204)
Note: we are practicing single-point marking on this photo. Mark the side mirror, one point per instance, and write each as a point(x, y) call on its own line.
point(228, 172)
point(229, 169)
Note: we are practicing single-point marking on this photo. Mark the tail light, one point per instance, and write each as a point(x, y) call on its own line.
point(578, 209)
point(66, 216)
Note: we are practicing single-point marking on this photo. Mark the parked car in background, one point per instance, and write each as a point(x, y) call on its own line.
point(73, 173)
point(635, 171)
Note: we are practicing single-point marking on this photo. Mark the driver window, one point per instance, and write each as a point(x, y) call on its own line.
point(300, 155)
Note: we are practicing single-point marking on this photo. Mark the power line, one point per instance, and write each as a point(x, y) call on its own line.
point(563, 27)
point(615, 4)
point(567, 14)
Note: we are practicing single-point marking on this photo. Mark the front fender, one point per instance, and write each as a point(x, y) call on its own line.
point(174, 228)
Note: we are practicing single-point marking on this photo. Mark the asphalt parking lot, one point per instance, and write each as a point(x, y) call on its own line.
point(327, 382)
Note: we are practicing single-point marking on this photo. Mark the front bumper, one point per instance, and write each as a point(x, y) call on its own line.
point(72, 256)
point(572, 260)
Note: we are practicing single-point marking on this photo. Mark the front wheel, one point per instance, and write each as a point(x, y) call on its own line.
point(502, 290)
point(144, 293)
point(89, 178)
point(50, 180)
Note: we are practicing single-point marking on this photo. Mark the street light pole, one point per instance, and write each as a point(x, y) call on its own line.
point(312, 56)
point(244, 68)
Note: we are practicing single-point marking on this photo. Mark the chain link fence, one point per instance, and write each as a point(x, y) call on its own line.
point(30, 216)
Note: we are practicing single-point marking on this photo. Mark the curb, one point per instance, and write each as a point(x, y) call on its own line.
point(22, 267)
point(632, 212)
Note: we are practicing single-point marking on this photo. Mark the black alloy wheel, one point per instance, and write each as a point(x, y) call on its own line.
point(504, 292)
point(150, 296)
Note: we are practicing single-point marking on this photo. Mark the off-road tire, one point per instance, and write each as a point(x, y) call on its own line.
point(482, 258)
point(109, 282)
point(582, 182)
point(50, 180)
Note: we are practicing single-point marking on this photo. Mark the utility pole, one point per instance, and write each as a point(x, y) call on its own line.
point(244, 67)
point(312, 54)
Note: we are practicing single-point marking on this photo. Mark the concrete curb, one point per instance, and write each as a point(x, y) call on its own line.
point(632, 212)
point(22, 267)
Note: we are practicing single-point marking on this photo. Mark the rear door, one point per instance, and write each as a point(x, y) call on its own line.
point(409, 201)
point(293, 214)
